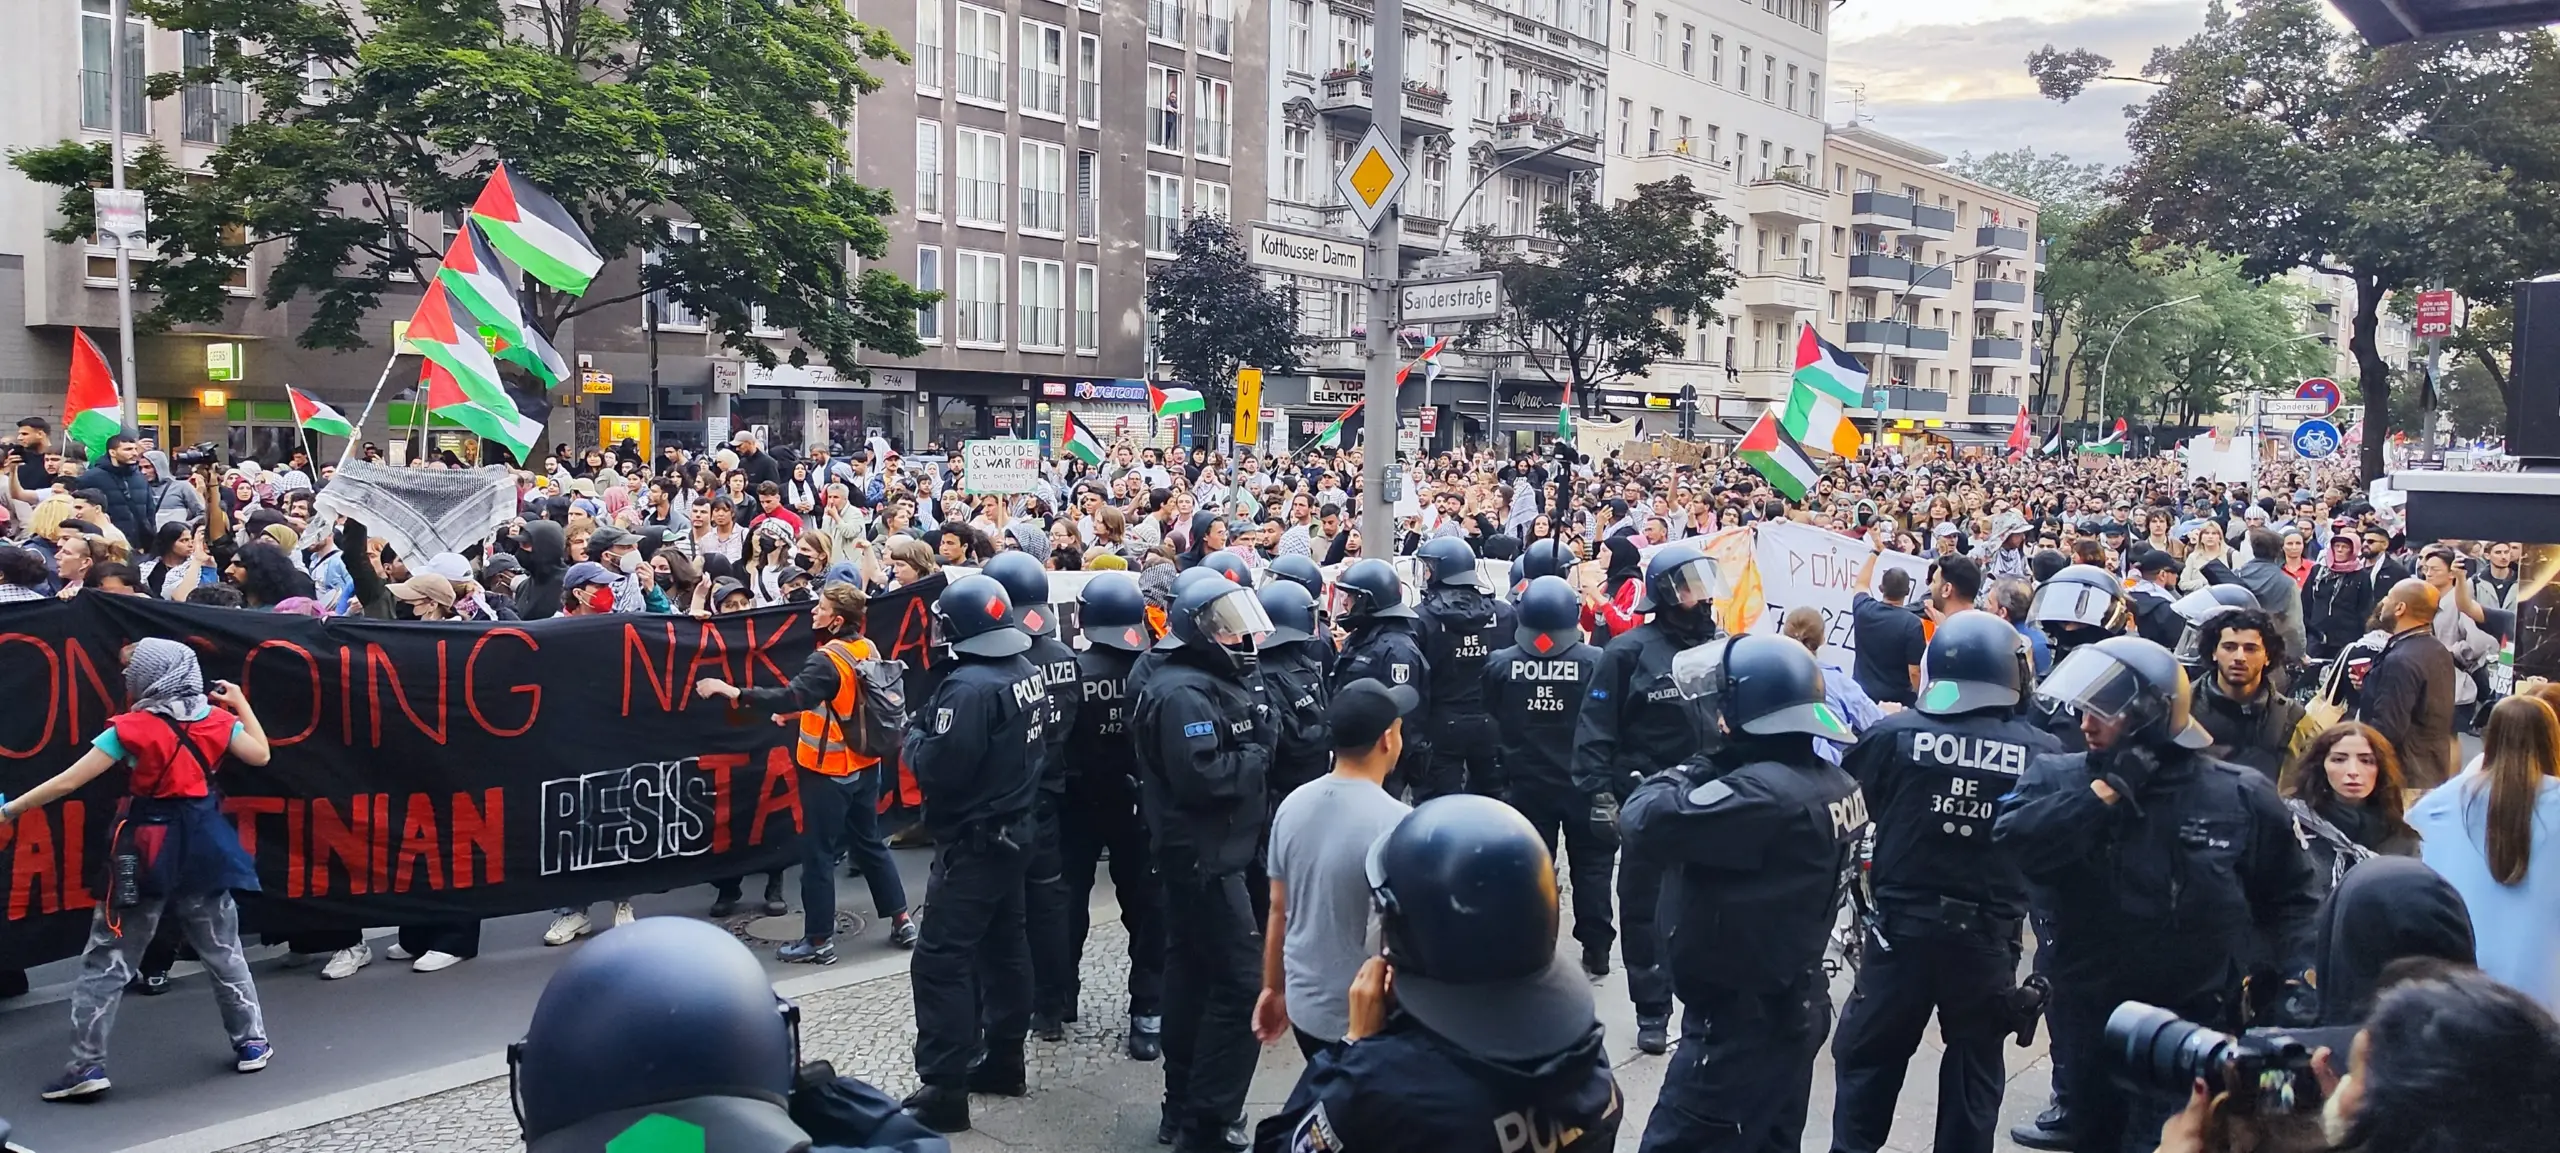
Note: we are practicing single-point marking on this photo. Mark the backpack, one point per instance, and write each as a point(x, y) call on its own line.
point(878, 726)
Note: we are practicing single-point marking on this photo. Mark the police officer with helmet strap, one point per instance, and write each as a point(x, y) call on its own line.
point(975, 747)
point(1045, 895)
point(1467, 1033)
point(1293, 673)
point(1382, 640)
point(1764, 834)
point(1534, 688)
point(1948, 902)
point(2164, 867)
point(1100, 805)
point(1461, 626)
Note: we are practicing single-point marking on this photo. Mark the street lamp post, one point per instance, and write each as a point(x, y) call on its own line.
point(1910, 281)
point(2109, 359)
point(1449, 229)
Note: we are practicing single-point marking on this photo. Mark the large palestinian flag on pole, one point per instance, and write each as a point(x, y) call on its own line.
point(487, 291)
point(1080, 441)
point(1827, 382)
point(440, 331)
point(525, 223)
point(501, 423)
point(1769, 448)
point(93, 410)
point(1173, 400)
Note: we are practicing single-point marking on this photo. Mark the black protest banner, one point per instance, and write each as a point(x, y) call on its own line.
point(426, 772)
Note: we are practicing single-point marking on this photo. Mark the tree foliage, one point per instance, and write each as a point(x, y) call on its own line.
point(635, 114)
point(1214, 314)
point(2239, 336)
point(1623, 280)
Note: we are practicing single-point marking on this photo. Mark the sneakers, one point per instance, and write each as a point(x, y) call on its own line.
point(435, 961)
point(1046, 1026)
point(622, 914)
point(2050, 1130)
point(941, 1108)
point(253, 1056)
point(902, 931)
point(148, 984)
point(1595, 961)
point(398, 953)
point(1146, 1038)
point(807, 952)
point(567, 927)
point(73, 1084)
point(1653, 1035)
point(344, 963)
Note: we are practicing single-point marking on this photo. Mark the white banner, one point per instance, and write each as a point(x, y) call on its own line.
point(1001, 466)
point(1771, 568)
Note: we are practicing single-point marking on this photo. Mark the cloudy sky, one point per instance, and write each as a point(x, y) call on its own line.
point(1951, 74)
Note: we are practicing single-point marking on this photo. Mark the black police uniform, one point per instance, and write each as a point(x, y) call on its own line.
point(1293, 677)
point(2155, 618)
point(1390, 650)
point(1949, 903)
point(1536, 700)
point(2159, 898)
point(1410, 1090)
point(1461, 627)
point(1634, 724)
point(1044, 911)
point(1762, 851)
point(1100, 813)
point(1204, 740)
point(975, 747)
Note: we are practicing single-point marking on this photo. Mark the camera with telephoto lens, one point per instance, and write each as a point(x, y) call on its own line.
point(194, 456)
point(2261, 1070)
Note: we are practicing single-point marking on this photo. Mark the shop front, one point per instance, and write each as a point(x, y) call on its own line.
point(1114, 408)
point(1527, 416)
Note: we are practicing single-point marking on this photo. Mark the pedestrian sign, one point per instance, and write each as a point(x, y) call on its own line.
point(1369, 183)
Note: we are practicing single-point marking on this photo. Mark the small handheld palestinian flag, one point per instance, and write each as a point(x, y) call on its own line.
point(2113, 445)
point(1331, 437)
point(531, 228)
point(93, 411)
point(1080, 441)
point(1769, 448)
point(311, 414)
point(1173, 400)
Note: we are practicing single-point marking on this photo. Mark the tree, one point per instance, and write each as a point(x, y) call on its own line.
point(1623, 280)
point(2066, 195)
point(2275, 137)
point(2239, 336)
point(1214, 314)
point(636, 115)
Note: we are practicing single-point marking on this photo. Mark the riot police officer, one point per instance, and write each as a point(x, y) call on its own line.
point(1489, 1041)
point(1298, 570)
point(1948, 904)
point(1382, 639)
point(1541, 558)
point(1044, 908)
point(2165, 869)
point(1230, 566)
point(1764, 833)
point(1100, 809)
point(1461, 626)
point(975, 747)
point(1534, 688)
point(1204, 738)
point(1635, 723)
point(1293, 667)
point(671, 1018)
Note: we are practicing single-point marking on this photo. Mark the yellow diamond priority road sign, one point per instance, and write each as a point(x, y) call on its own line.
point(1370, 182)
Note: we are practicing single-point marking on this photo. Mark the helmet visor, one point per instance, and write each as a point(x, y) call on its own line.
point(2072, 604)
point(2200, 606)
point(1688, 586)
point(1698, 671)
point(1237, 614)
point(2092, 682)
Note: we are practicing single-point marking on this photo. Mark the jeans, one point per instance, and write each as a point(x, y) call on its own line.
point(844, 816)
point(116, 941)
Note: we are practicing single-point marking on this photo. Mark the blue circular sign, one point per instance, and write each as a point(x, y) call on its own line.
point(2316, 440)
point(2322, 389)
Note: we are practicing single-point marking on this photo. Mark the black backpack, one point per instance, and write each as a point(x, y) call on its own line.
point(878, 726)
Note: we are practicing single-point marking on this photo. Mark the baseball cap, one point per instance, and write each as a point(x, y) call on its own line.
point(584, 573)
point(607, 537)
point(425, 586)
point(1363, 709)
point(2149, 560)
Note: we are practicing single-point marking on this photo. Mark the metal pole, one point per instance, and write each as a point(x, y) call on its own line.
point(1386, 88)
point(2110, 357)
point(1487, 178)
point(2434, 396)
point(124, 258)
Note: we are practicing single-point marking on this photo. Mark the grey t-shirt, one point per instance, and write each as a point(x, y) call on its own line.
point(1320, 850)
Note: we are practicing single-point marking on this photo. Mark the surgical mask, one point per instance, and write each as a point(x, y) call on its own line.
point(623, 562)
point(599, 598)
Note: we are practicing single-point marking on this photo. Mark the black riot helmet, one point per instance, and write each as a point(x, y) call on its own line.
point(1466, 900)
point(1299, 570)
point(1113, 612)
point(2132, 680)
point(2198, 609)
point(1541, 558)
point(1550, 616)
point(1764, 686)
point(1974, 661)
point(1219, 616)
point(1026, 584)
point(1230, 566)
point(976, 616)
point(1292, 612)
point(666, 1015)
point(2080, 599)
point(1447, 561)
point(1678, 578)
point(1368, 588)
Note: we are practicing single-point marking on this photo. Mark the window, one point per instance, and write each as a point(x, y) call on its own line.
point(1293, 163)
point(95, 18)
point(1088, 78)
point(980, 297)
point(1689, 49)
point(1835, 306)
point(1301, 44)
point(929, 168)
point(1661, 38)
point(1164, 211)
point(1209, 198)
point(1164, 108)
point(1044, 297)
point(1626, 27)
point(1839, 178)
point(1088, 196)
point(1653, 132)
point(1043, 178)
point(1351, 35)
point(1768, 78)
point(929, 46)
point(1715, 59)
point(980, 178)
point(1590, 124)
point(1813, 96)
point(929, 278)
point(1217, 27)
point(1088, 309)
point(1044, 69)
point(673, 313)
point(1338, 158)
point(981, 46)
point(1742, 69)
point(1626, 122)
point(1212, 135)
point(404, 247)
point(1164, 21)
point(1484, 87)
point(1515, 206)
point(1684, 142)
point(1791, 87)
point(1435, 182)
point(210, 110)
point(1839, 241)
point(1439, 76)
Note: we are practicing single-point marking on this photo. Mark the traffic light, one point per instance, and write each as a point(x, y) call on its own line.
point(1688, 412)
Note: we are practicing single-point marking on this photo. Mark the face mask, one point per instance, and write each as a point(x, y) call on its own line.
point(599, 599)
point(798, 596)
point(624, 562)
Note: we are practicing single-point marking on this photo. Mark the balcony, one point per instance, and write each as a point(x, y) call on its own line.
point(1876, 336)
point(2044, 248)
point(1344, 93)
point(1925, 340)
point(1932, 223)
point(1881, 270)
point(1934, 284)
point(2035, 360)
point(1914, 400)
point(1419, 231)
point(1706, 175)
point(1991, 405)
point(2002, 295)
point(1781, 201)
point(1779, 292)
point(1526, 134)
point(2039, 305)
point(1426, 109)
point(1880, 210)
point(1526, 245)
point(2004, 243)
point(1999, 352)
point(1337, 355)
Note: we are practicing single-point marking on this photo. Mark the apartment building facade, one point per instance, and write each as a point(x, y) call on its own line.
point(1931, 280)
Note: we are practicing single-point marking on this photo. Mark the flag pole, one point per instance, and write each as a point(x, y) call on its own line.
point(349, 452)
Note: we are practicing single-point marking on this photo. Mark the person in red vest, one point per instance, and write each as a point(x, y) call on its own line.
point(174, 854)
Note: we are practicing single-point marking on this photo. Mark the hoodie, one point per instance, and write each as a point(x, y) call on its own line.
point(2385, 909)
point(173, 500)
point(1410, 1089)
point(546, 558)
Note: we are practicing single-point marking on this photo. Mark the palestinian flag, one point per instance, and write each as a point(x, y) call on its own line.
point(1331, 437)
point(1564, 414)
point(1769, 448)
point(487, 291)
point(1429, 357)
point(311, 414)
point(1081, 442)
point(533, 230)
point(93, 412)
point(531, 352)
point(2113, 445)
point(1827, 383)
point(436, 335)
point(1173, 401)
point(446, 398)
point(2020, 436)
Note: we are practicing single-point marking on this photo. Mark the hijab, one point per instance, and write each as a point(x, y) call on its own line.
point(161, 676)
point(2384, 909)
